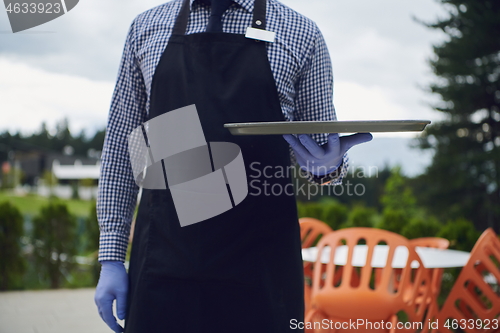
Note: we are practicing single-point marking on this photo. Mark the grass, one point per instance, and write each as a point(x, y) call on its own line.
point(31, 204)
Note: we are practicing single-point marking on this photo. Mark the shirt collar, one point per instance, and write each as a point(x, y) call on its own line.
point(246, 4)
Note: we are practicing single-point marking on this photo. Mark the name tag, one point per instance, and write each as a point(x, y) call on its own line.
point(259, 34)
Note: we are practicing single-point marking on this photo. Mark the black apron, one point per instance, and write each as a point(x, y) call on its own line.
point(240, 271)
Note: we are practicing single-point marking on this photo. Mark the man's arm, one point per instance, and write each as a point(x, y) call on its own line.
point(314, 101)
point(117, 194)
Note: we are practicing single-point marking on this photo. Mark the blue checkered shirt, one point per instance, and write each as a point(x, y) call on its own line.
point(300, 63)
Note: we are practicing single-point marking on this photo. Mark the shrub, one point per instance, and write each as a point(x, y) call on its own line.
point(12, 264)
point(393, 220)
point(334, 214)
point(421, 227)
point(309, 209)
point(54, 241)
point(360, 216)
point(461, 233)
point(331, 212)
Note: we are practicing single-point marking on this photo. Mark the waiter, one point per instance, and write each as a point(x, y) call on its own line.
point(240, 271)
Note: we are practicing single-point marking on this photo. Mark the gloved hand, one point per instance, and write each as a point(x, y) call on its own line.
point(113, 284)
point(325, 159)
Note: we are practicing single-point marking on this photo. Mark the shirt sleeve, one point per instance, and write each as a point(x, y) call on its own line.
point(117, 191)
point(314, 101)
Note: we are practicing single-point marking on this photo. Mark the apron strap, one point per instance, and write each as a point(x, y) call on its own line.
point(259, 14)
point(258, 21)
point(182, 19)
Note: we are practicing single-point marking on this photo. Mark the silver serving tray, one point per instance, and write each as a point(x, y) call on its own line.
point(312, 127)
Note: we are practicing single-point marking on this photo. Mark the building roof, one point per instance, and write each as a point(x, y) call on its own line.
point(76, 171)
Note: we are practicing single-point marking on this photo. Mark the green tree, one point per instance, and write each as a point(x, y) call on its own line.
point(368, 182)
point(43, 141)
point(54, 240)
point(97, 140)
point(12, 264)
point(41, 138)
point(398, 195)
point(464, 178)
point(398, 202)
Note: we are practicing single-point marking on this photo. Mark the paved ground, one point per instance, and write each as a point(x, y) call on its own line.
point(54, 311)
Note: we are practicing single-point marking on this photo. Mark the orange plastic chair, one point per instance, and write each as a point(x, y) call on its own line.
point(311, 230)
point(436, 274)
point(433, 242)
point(347, 299)
point(472, 300)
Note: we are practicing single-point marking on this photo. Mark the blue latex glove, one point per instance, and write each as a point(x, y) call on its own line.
point(113, 284)
point(325, 159)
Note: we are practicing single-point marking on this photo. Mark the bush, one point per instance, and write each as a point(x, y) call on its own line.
point(334, 214)
point(421, 227)
point(461, 233)
point(310, 209)
point(360, 216)
point(393, 220)
point(331, 212)
point(54, 241)
point(12, 264)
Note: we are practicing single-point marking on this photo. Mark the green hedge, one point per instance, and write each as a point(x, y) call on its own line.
point(39, 252)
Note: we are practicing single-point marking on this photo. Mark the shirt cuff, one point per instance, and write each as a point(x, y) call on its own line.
point(113, 246)
point(333, 178)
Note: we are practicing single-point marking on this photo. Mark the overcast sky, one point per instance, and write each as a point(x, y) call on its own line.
point(67, 67)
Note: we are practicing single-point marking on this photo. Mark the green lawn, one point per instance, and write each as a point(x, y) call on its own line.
point(31, 204)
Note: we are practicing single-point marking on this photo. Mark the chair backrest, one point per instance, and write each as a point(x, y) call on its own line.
point(311, 230)
point(435, 273)
point(434, 242)
point(472, 299)
point(346, 299)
